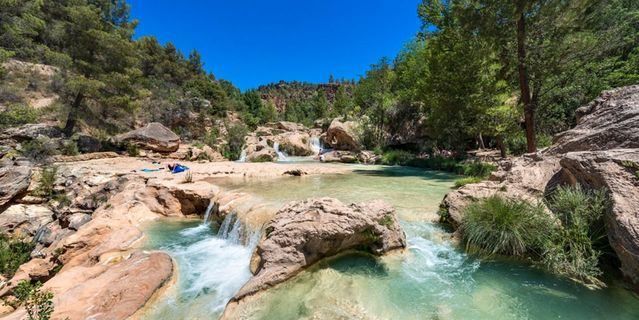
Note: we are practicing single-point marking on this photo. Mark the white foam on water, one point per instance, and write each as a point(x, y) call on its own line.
point(281, 156)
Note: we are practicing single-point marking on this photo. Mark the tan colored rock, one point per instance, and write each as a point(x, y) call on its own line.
point(343, 136)
point(521, 178)
point(85, 157)
point(154, 136)
point(618, 172)
point(305, 232)
point(295, 144)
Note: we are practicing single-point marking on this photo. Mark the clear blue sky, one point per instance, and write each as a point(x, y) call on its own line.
point(251, 42)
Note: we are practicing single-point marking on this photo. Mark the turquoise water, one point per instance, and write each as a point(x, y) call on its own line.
point(431, 280)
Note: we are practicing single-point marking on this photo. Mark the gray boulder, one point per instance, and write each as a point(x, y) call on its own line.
point(14, 182)
point(611, 121)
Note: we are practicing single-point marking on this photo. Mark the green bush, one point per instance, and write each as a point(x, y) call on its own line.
point(397, 157)
point(496, 225)
point(576, 246)
point(467, 180)
point(235, 140)
point(47, 182)
point(38, 303)
point(132, 150)
point(70, 148)
point(517, 145)
point(39, 149)
point(18, 114)
point(476, 169)
point(13, 253)
point(436, 163)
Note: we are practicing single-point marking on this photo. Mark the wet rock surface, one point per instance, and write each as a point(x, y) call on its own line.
point(304, 232)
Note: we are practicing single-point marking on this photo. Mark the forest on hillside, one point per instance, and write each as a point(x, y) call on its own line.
point(479, 73)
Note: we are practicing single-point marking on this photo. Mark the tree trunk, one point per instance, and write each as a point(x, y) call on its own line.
point(481, 141)
point(73, 114)
point(524, 86)
point(501, 145)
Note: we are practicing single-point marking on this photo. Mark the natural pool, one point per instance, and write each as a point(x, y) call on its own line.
point(431, 280)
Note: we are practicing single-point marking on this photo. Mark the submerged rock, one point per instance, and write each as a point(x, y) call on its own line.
point(304, 232)
point(154, 136)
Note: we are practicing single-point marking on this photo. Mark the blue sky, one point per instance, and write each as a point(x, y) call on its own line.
point(251, 42)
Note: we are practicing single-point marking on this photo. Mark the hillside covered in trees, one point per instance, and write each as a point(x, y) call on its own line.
point(479, 73)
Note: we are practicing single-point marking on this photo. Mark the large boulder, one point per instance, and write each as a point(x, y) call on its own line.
point(618, 172)
point(14, 182)
point(295, 144)
point(304, 232)
point(23, 221)
point(343, 136)
point(610, 121)
point(154, 136)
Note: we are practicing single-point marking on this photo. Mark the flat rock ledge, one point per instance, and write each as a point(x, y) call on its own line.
point(304, 232)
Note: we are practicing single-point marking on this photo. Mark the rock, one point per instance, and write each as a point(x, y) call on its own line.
point(343, 136)
point(87, 143)
point(76, 220)
point(295, 172)
point(618, 172)
point(295, 144)
point(288, 126)
point(23, 221)
point(116, 292)
point(610, 121)
point(367, 157)
point(14, 182)
point(32, 131)
point(304, 232)
point(266, 154)
point(154, 136)
point(85, 157)
point(521, 178)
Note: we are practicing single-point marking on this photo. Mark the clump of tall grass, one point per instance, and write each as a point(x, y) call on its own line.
point(569, 242)
point(498, 225)
point(575, 247)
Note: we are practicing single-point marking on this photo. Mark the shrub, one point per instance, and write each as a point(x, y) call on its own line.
point(188, 177)
point(496, 225)
point(476, 169)
point(39, 149)
point(47, 181)
point(436, 163)
point(397, 157)
point(38, 303)
point(575, 247)
point(132, 150)
point(70, 148)
point(210, 138)
point(235, 140)
point(13, 253)
point(468, 180)
point(18, 114)
point(517, 145)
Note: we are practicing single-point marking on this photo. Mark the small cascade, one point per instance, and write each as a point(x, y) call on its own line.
point(207, 214)
point(242, 156)
point(281, 156)
point(236, 232)
point(316, 145)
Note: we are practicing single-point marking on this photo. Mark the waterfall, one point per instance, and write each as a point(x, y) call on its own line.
point(281, 156)
point(316, 145)
point(242, 156)
point(207, 214)
point(235, 232)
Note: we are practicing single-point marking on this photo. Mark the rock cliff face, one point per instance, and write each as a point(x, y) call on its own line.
point(304, 232)
point(602, 151)
point(610, 121)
